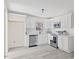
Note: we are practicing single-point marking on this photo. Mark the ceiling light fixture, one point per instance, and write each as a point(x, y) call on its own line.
point(42, 10)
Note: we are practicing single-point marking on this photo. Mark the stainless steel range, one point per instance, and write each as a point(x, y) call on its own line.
point(54, 41)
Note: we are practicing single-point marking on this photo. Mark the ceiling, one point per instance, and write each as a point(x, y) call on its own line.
point(51, 7)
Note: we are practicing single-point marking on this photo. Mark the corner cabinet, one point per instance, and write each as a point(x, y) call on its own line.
point(68, 43)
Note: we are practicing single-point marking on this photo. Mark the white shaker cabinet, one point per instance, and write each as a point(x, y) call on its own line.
point(66, 43)
point(31, 25)
point(64, 22)
point(26, 41)
point(67, 21)
point(60, 42)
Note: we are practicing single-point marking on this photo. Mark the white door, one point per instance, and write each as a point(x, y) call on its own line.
point(16, 34)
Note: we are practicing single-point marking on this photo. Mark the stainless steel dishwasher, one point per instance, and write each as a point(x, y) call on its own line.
point(32, 40)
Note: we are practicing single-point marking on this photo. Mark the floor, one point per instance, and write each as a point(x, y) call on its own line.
point(39, 52)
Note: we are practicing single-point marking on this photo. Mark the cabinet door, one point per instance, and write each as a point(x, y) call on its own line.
point(65, 43)
point(67, 21)
point(64, 22)
point(60, 42)
point(31, 24)
point(16, 34)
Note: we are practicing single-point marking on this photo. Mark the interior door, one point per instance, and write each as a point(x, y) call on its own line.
point(15, 34)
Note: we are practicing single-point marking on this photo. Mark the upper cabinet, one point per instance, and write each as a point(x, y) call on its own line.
point(62, 22)
point(30, 22)
point(30, 25)
point(35, 24)
point(67, 21)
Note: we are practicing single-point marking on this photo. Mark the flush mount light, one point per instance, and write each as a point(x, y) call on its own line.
point(42, 10)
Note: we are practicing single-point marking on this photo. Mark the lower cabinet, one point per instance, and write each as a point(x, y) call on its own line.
point(60, 42)
point(66, 43)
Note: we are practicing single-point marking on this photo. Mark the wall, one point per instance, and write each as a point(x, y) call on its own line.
point(6, 29)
